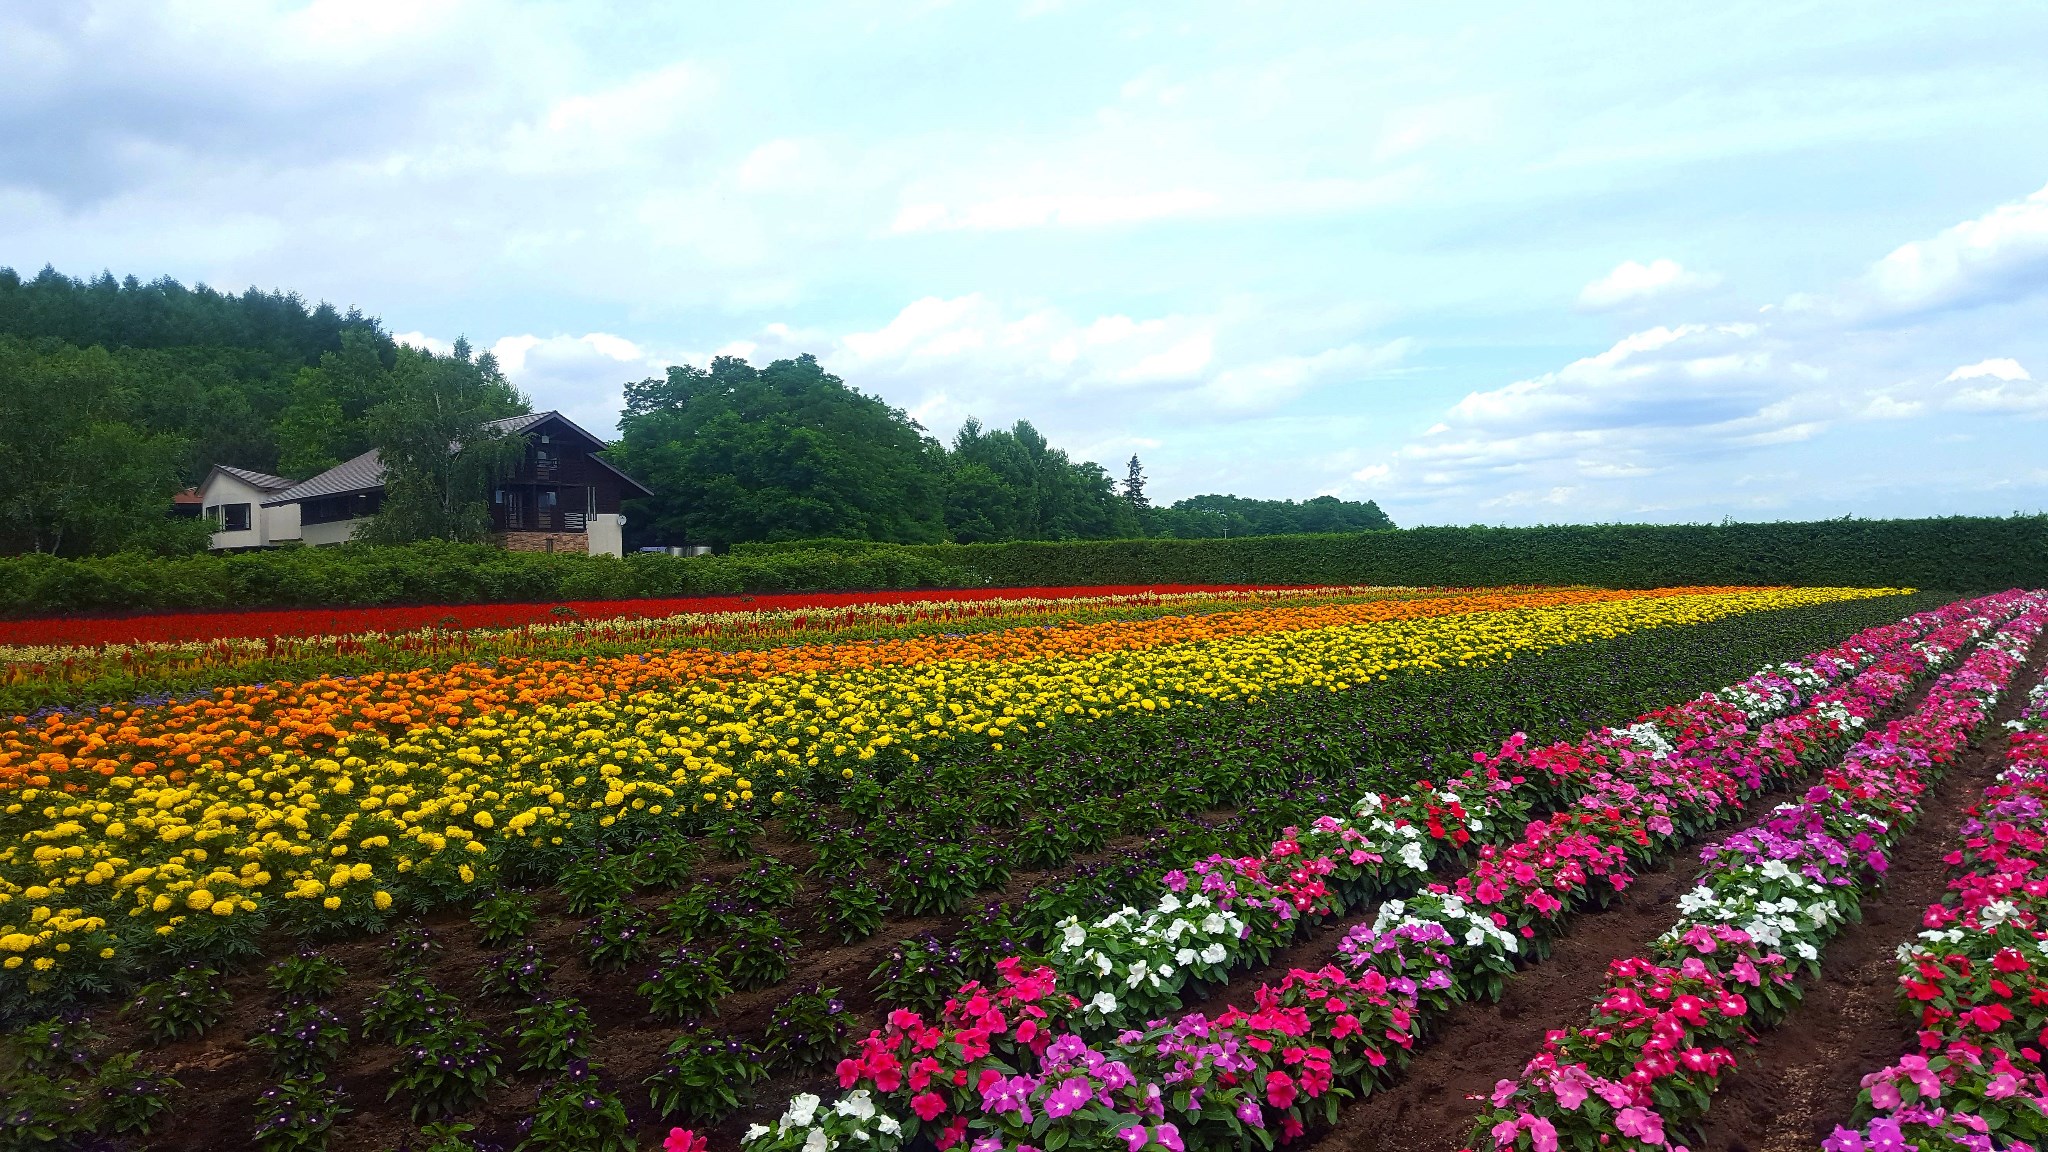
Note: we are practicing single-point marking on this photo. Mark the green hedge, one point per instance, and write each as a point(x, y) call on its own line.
point(1957, 553)
point(433, 574)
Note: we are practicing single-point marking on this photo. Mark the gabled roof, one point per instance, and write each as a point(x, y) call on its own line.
point(365, 473)
point(263, 480)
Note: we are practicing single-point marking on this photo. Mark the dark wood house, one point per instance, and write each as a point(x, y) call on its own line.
point(561, 497)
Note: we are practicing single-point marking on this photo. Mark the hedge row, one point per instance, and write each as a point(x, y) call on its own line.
point(1954, 553)
point(1961, 553)
point(434, 573)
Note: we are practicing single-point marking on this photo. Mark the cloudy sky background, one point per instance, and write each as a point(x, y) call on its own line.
point(1483, 263)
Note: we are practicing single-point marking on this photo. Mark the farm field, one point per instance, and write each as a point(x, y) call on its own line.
point(1194, 867)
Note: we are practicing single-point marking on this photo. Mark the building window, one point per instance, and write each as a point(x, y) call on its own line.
point(230, 517)
point(547, 498)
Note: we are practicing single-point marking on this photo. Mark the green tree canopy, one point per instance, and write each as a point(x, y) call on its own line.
point(1012, 485)
point(85, 474)
point(1201, 517)
point(784, 452)
point(441, 454)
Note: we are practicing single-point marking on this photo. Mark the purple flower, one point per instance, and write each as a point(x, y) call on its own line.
point(1248, 1111)
point(1071, 1096)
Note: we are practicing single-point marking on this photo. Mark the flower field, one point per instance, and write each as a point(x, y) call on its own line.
point(1205, 867)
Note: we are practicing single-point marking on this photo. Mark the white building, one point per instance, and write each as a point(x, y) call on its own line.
point(560, 497)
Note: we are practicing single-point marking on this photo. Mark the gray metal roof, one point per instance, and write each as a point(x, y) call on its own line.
point(262, 480)
point(366, 472)
point(362, 474)
point(517, 424)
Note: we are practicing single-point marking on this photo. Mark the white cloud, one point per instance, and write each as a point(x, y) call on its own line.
point(424, 342)
point(2007, 387)
point(581, 376)
point(2000, 369)
point(2000, 255)
point(1632, 283)
point(944, 359)
point(1683, 410)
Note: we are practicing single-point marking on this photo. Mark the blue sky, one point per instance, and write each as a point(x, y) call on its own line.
point(1485, 263)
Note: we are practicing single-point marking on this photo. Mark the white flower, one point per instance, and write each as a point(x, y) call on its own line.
point(754, 1132)
point(1806, 951)
point(802, 1107)
point(887, 1125)
point(1169, 905)
point(1074, 934)
point(858, 1105)
point(1102, 962)
point(1103, 1003)
point(1214, 954)
point(1411, 855)
point(1184, 956)
point(816, 1141)
point(1214, 924)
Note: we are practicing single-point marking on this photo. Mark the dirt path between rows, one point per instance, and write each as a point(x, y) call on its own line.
point(1791, 1091)
point(1787, 1093)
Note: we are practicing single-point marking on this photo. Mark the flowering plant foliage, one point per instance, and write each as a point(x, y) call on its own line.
point(1262, 1075)
point(1668, 1023)
point(1975, 980)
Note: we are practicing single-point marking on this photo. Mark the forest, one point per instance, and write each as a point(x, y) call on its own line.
point(117, 393)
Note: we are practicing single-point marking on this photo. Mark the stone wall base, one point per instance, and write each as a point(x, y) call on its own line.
point(576, 542)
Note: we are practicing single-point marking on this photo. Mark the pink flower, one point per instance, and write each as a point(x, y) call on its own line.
point(684, 1140)
point(927, 1105)
point(1134, 1137)
point(1280, 1090)
point(1640, 1123)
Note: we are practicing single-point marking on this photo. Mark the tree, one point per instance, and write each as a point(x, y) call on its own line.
point(439, 451)
point(83, 477)
point(1134, 486)
point(326, 421)
point(1197, 517)
point(785, 452)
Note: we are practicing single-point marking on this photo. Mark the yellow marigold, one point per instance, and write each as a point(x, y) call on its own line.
point(199, 899)
point(332, 903)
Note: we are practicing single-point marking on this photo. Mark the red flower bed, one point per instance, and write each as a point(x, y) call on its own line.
point(171, 627)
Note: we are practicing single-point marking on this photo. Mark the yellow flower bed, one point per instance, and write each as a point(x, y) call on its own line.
point(340, 832)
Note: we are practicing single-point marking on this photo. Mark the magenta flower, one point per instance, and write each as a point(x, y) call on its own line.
point(1641, 1123)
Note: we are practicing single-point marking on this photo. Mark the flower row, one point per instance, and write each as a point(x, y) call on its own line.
point(431, 814)
point(269, 646)
point(1013, 1066)
point(1667, 1024)
point(1976, 980)
point(766, 609)
point(1133, 964)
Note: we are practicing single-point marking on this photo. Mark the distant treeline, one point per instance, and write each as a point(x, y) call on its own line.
point(115, 394)
point(1955, 554)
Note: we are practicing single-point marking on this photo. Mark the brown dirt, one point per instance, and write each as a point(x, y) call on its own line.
point(223, 1076)
point(1802, 1080)
point(1787, 1094)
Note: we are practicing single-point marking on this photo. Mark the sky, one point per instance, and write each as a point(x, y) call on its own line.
point(1482, 263)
